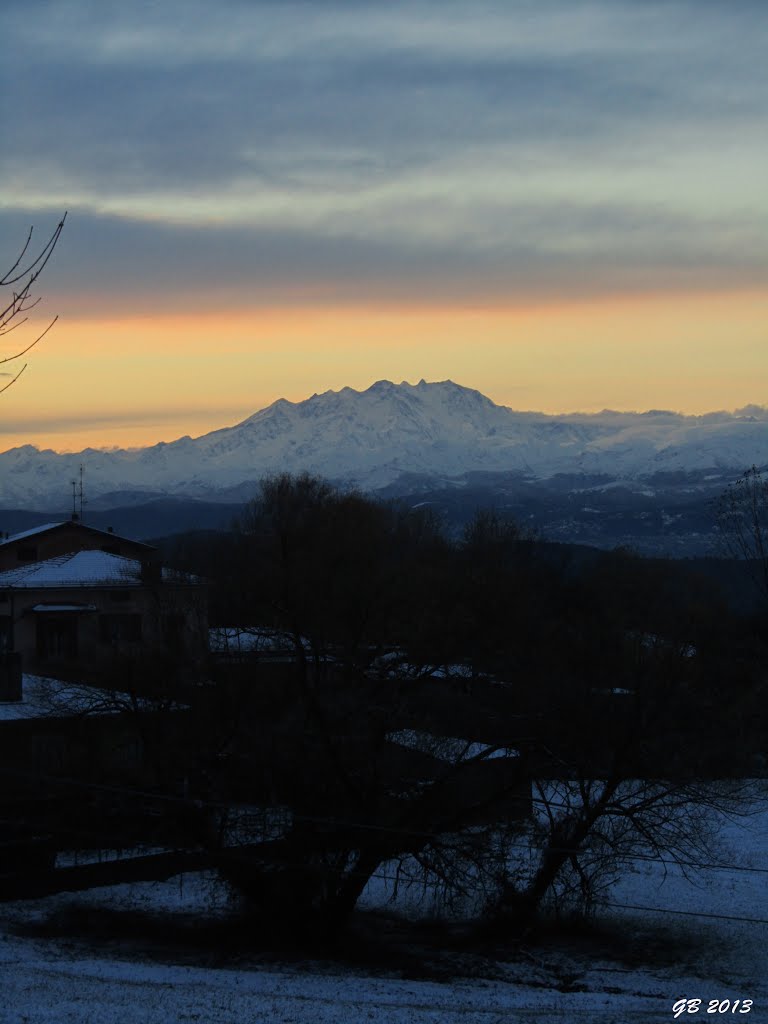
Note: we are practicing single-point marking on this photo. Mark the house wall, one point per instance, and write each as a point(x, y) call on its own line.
point(65, 538)
point(116, 628)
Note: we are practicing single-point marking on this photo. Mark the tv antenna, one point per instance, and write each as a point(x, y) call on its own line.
point(77, 497)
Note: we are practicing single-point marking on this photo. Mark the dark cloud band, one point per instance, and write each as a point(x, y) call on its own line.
point(404, 150)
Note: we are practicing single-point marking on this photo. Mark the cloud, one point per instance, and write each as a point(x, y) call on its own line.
point(388, 149)
point(340, 117)
point(114, 419)
point(478, 252)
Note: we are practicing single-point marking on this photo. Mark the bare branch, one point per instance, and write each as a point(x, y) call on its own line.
point(10, 382)
point(24, 274)
point(38, 263)
point(40, 337)
point(4, 280)
point(742, 519)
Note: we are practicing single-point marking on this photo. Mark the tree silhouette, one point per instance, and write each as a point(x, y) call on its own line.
point(742, 519)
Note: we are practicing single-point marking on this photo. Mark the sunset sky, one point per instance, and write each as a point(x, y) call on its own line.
point(561, 203)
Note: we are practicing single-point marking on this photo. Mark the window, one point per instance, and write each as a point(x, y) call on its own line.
point(57, 637)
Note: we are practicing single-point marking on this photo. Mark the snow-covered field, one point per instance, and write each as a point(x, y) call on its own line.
point(660, 957)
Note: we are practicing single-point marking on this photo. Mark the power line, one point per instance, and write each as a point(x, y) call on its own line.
point(684, 913)
point(363, 826)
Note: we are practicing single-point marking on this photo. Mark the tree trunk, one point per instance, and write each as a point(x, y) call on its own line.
point(351, 889)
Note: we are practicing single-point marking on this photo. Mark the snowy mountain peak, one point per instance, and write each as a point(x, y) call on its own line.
point(372, 437)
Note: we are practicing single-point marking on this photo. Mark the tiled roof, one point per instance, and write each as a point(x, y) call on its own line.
point(35, 530)
point(85, 569)
point(28, 533)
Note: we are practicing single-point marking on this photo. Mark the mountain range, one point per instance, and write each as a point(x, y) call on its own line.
point(401, 437)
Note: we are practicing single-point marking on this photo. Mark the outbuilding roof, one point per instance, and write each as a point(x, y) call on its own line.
point(45, 698)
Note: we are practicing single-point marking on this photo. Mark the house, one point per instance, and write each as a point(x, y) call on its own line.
point(79, 602)
point(67, 537)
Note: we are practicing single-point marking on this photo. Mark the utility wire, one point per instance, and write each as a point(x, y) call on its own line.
point(684, 913)
point(342, 823)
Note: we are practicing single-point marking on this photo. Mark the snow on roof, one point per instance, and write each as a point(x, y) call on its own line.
point(449, 748)
point(43, 697)
point(395, 664)
point(251, 640)
point(85, 569)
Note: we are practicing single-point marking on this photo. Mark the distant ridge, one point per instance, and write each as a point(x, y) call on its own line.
point(434, 431)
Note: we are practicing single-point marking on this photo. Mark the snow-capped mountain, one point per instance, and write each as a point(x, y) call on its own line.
point(438, 431)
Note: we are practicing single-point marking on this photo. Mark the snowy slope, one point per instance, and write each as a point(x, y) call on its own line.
point(371, 438)
point(697, 938)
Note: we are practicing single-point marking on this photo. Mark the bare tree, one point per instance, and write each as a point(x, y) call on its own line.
point(589, 832)
point(742, 519)
point(20, 278)
point(625, 772)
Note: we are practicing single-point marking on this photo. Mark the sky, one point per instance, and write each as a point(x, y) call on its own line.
point(561, 203)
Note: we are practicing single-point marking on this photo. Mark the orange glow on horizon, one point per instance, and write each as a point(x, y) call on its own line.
point(136, 381)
